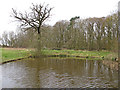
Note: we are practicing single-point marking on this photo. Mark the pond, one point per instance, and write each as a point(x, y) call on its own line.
point(58, 73)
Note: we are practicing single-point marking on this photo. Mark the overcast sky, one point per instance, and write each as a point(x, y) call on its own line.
point(63, 10)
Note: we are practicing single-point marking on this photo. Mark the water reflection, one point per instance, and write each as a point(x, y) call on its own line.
point(57, 73)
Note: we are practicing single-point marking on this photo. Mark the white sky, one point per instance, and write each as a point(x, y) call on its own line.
point(63, 10)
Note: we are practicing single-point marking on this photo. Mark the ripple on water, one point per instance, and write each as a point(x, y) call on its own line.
point(55, 73)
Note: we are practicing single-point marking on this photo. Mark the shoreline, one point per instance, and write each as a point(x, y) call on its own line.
point(15, 54)
point(12, 60)
point(63, 56)
point(58, 56)
point(109, 63)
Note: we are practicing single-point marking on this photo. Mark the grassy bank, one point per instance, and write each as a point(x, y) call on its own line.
point(8, 54)
point(16, 53)
point(82, 54)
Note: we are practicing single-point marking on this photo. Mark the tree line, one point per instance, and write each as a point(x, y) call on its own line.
point(79, 34)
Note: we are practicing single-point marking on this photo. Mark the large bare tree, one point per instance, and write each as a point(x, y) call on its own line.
point(34, 19)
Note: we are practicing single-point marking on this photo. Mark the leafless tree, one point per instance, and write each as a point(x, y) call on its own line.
point(35, 19)
point(5, 38)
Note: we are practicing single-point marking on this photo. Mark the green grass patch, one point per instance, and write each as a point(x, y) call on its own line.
point(11, 54)
point(81, 53)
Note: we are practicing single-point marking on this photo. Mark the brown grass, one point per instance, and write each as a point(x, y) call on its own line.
point(111, 64)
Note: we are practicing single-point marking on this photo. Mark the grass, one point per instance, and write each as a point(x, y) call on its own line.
point(81, 53)
point(11, 54)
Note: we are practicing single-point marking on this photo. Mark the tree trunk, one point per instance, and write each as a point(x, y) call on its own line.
point(38, 45)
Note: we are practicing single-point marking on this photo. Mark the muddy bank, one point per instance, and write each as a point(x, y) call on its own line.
point(62, 55)
point(111, 64)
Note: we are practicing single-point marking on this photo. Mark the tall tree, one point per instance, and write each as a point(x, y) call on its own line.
point(35, 19)
point(60, 29)
point(5, 39)
point(72, 28)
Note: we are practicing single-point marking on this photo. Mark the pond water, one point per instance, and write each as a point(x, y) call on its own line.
point(58, 73)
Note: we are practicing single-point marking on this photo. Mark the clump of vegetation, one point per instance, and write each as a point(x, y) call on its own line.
point(112, 56)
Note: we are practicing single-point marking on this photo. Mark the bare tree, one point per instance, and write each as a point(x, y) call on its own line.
point(0, 41)
point(5, 39)
point(35, 19)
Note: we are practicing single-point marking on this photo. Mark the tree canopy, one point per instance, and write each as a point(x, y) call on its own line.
point(35, 18)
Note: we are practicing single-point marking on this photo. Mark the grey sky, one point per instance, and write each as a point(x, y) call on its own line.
point(63, 10)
